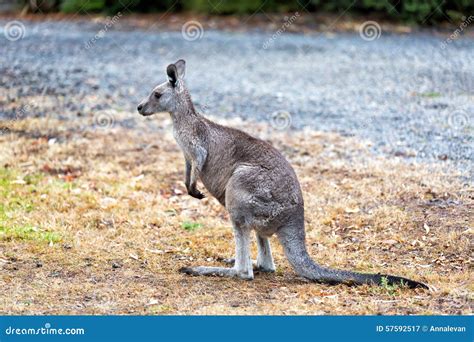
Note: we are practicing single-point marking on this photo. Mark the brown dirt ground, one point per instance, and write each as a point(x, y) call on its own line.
point(96, 221)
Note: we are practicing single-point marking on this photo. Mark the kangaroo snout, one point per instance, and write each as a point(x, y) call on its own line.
point(141, 108)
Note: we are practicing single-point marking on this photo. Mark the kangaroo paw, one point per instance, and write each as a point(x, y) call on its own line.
point(264, 269)
point(196, 194)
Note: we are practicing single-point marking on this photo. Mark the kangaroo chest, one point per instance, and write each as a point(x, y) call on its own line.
point(186, 143)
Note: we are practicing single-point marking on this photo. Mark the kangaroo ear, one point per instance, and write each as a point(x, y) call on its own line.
point(181, 66)
point(172, 73)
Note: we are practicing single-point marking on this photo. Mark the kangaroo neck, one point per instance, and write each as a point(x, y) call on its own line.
point(185, 115)
point(189, 131)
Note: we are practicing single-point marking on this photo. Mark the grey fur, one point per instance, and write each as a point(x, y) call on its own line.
point(254, 182)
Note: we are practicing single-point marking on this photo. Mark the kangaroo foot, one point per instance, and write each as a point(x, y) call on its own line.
point(216, 271)
point(256, 267)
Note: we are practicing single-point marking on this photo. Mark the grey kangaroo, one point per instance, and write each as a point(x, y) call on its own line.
point(253, 181)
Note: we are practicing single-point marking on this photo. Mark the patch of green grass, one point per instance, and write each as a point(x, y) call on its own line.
point(5, 179)
point(390, 289)
point(17, 203)
point(33, 179)
point(17, 195)
point(431, 94)
point(28, 233)
point(385, 288)
point(160, 309)
point(191, 226)
point(61, 184)
point(3, 212)
point(12, 193)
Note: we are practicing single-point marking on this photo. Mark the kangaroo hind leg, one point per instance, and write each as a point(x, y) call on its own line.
point(264, 258)
point(264, 262)
point(243, 264)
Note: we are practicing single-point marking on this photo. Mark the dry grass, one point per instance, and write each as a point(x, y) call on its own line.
point(97, 221)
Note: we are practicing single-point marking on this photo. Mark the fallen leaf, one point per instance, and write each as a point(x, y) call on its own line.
point(152, 302)
point(107, 202)
point(427, 228)
point(177, 192)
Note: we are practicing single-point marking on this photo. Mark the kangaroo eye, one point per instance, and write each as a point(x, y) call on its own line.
point(156, 95)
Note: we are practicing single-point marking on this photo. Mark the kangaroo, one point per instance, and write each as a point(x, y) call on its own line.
point(253, 181)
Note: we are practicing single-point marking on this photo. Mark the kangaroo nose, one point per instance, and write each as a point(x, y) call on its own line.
point(140, 107)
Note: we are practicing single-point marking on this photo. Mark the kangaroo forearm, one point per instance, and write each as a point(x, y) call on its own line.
point(193, 177)
point(193, 169)
point(187, 179)
point(192, 174)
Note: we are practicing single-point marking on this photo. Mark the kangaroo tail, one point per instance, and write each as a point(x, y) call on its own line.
point(293, 241)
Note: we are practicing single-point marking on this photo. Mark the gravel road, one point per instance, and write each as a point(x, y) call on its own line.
point(406, 93)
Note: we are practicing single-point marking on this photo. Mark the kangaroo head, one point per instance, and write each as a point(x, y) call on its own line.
point(166, 97)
